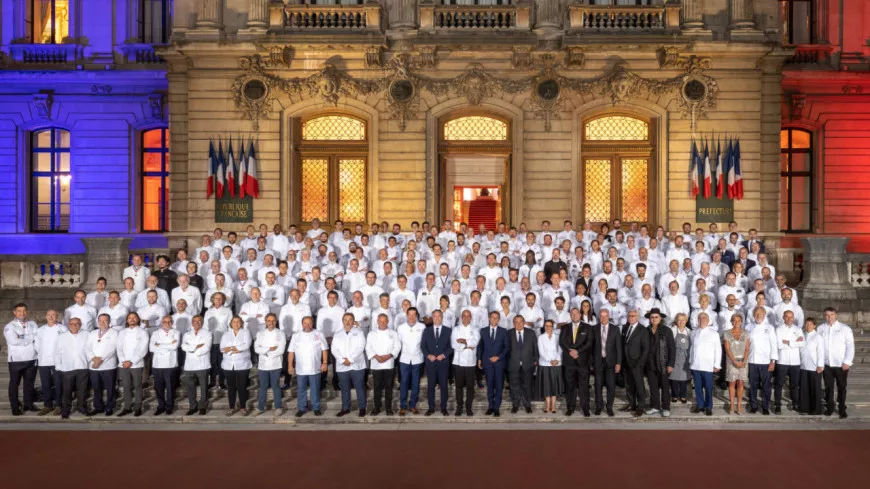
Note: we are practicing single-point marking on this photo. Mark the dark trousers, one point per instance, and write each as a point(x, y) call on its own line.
point(703, 389)
point(383, 387)
point(285, 369)
point(51, 381)
point(494, 385)
point(759, 378)
point(19, 371)
point(191, 379)
point(104, 380)
point(605, 377)
point(269, 379)
point(634, 388)
point(521, 386)
point(410, 381)
point(216, 371)
point(330, 360)
point(810, 392)
point(834, 375)
point(164, 384)
point(466, 378)
point(679, 388)
point(659, 390)
point(436, 373)
point(793, 373)
point(576, 380)
point(354, 379)
point(237, 387)
point(75, 380)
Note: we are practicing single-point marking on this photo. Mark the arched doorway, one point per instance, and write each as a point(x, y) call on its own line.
point(474, 154)
point(617, 168)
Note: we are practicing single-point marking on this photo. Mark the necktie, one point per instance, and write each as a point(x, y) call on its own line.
point(437, 333)
point(630, 330)
point(492, 333)
point(603, 341)
point(575, 333)
point(520, 340)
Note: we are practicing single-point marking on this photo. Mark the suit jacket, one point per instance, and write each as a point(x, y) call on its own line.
point(584, 344)
point(612, 346)
point(749, 265)
point(443, 346)
point(488, 347)
point(636, 347)
point(527, 356)
point(728, 257)
point(586, 283)
point(746, 244)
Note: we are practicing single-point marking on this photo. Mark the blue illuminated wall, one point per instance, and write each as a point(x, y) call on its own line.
point(102, 86)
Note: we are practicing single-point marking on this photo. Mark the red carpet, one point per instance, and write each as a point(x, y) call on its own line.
point(446, 459)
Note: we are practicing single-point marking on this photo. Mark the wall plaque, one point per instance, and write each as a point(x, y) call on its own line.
point(234, 209)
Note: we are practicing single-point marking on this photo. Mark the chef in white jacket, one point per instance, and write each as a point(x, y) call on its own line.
point(763, 353)
point(151, 313)
point(117, 312)
point(705, 359)
point(191, 294)
point(20, 335)
point(839, 355)
point(102, 364)
point(196, 344)
point(464, 338)
point(164, 345)
point(50, 378)
point(269, 346)
point(254, 312)
point(217, 322)
point(137, 272)
point(382, 349)
point(790, 341)
point(71, 360)
point(83, 311)
point(132, 348)
point(348, 349)
point(812, 366)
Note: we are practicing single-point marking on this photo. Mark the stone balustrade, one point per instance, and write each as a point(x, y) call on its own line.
point(354, 18)
point(475, 17)
point(623, 18)
point(859, 265)
point(810, 54)
point(63, 271)
point(140, 54)
point(45, 53)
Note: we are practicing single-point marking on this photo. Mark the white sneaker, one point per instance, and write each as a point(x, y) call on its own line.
point(279, 412)
point(666, 413)
point(260, 411)
point(651, 411)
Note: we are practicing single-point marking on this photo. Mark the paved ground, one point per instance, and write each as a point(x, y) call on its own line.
point(453, 459)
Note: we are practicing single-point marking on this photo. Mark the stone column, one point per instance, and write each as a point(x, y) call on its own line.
point(106, 257)
point(549, 13)
point(742, 15)
point(209, 14)
point(402, 14)
point(693, 14)
point(258, 14)
point(827, 279)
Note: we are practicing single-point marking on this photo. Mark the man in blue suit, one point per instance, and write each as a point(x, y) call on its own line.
point(492, 352)
point(437, 347)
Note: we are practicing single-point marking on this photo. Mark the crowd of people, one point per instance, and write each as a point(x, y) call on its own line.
point(543, 312)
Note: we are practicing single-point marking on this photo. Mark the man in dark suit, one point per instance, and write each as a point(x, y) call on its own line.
point(751, 239)
point(636, 351)
point(437, 347)
point(744, 259)
point(492, 353)
point(576, 340)
point(521, 367)
point(607, 359)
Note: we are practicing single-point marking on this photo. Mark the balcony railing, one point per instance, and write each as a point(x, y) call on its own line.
point(142, 54)
point(331, 18)
point(45, 53)
point(624, 18)
point(474, 17)
point(811, 54)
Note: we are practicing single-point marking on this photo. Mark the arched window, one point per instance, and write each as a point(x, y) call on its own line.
point(50, 180)
point(47, 21)
point(796, 180)
point(617, 175)
point(332, 169)
point(155, 180)
point(475, 128)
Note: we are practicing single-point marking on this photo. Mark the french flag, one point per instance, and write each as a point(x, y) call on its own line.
point(231, 172)
point(727, 175)
point(738, 176)
point(693, 169)
point(243, 170)
point(706, 171)
point(718, 171)
point(251, 183)
point(220, 171)
point(209, 189)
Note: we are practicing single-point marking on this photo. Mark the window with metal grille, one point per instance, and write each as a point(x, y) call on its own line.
point(51, 180)
point(796, 181)
point(154, 195)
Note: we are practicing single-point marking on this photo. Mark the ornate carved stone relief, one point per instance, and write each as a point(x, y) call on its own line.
point(157, 103)
point(798, 102)
point(374, 57)
point(42, 103)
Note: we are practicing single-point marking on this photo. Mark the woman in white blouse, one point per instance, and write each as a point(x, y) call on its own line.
point(550, 383)
point(506, 314)
point(236, 348)
point(812, 364)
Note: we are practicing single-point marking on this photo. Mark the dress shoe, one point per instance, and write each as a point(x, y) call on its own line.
point(83, 412)
point(708, 412)
point(638, 413)
point(496, 413)
point(362, 413)
point(159, 411)
point(125, 412)
point(529, 410)
point(202, 411)
point(57, 411)
point(401, 412)
point(459, 411)
point(30, 408)
point(169, 411)
point(191, 411)
point(341, 413)
point(389, 412)
point(765, 412)
point(430, 412)
point(777, 411)
point(93, 412)
point(489, 412)
point(415, 411)
point(683, 400)
point(469, 412)
point(110, 412)
point(829, 412)
point(318, 412)
point(514, 409)
point(45, 410)
point(64, 415)
point(586, 413)
point(444, 412)
point(375, 412)
point(299, 414)
point(598, 411)
point(753, 410)
point(137, 413)
point(627, 409)
point(17, 412)
point(610, 412)
point(843, 415)
point(569, 412)
point(211, 385)
point(694, 410)
point(673, 400)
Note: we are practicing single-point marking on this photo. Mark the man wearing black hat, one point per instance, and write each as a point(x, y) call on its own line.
point(662, 353)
